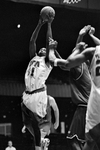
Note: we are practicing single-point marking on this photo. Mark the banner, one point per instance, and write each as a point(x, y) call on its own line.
point(38, 1)
point(87, 4)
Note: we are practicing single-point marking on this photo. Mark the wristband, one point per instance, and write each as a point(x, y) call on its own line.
point(55, 62)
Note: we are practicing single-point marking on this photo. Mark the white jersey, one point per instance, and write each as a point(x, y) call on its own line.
point(37, 73)
point(10, 148)
point(93, 108)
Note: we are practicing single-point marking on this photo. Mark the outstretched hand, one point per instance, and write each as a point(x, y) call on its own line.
point(48, 19)
point(84, 30)
point(41, 21)
point(92, 31)
point(52, 43)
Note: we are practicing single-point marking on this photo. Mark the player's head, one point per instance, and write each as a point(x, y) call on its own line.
point(42, 52)
point(80, 46)
point(10, 143)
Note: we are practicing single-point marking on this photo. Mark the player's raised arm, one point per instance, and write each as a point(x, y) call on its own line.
point(94, 38)
point(32, 44)
point(50, 18)
point(79, 46)
point(48, 36)
point(52, 48)
point(82, 33)
point(71, 61)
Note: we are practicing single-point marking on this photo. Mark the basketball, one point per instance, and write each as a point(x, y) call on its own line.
point(47, 13)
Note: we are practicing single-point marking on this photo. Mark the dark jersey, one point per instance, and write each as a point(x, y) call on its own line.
point(80, 83)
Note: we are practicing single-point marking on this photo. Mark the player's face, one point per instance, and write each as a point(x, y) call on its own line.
point(53, 44)
point(81, 46)
point(42, 52)
point(10, 143)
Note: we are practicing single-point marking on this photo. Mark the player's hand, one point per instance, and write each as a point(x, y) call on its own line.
point(52, 44)
point(84, 30)
point(50, 17)
point(56, 124)
point(92, 31)
point(41, 21)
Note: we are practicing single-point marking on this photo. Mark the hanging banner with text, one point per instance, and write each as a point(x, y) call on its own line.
point(87, 4)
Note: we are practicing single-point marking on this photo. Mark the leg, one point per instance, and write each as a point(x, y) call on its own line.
point(45, 130)
point(75, 144)
point(95, 134)
point(90, 143)
point(37, 148)
point(31, 121)
point(76, 133)
point(45, 125)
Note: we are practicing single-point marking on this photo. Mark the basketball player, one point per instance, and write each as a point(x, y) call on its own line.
point(46, 122)
point(93, 109)
point(35, 95)
point(80, 83)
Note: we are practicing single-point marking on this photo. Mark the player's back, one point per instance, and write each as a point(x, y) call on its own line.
point(80, 83)
point(93, 107)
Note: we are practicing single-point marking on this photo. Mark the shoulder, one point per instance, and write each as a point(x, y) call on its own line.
point(98, 48)
point(35, 59)
point(89, 50)
point(32, 55)
point(14, 148)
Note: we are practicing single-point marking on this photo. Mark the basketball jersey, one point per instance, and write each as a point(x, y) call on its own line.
point(95, 68)
point(93, 109)
point(80, 83)
point(37, 73)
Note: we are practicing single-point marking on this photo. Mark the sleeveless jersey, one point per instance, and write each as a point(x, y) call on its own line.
point(95, 68)
point(80, 83)
point(93, 109)
point(37, 73)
